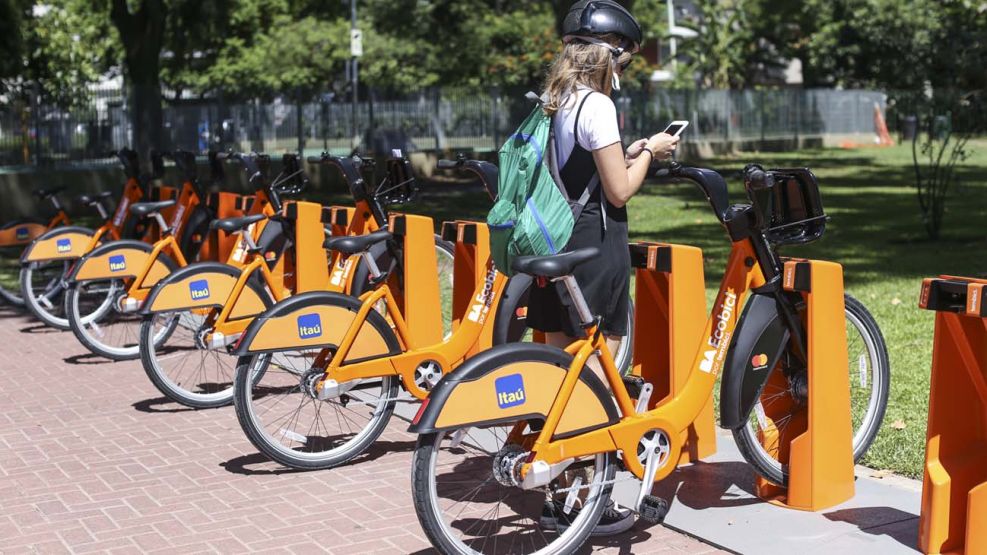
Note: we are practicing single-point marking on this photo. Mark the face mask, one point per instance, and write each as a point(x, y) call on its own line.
point(615, 79)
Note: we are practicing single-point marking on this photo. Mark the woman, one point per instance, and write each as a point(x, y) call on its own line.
point(600, 38)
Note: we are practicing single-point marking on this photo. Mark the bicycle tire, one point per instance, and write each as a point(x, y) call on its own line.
point(770, 469)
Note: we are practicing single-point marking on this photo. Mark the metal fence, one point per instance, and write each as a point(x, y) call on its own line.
point(35, 133)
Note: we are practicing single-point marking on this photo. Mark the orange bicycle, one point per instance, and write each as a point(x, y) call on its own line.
point(49, 257)
point(519, 446)
point(16, 234)
point(107, 286)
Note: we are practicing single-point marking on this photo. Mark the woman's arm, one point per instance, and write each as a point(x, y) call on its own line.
point(621, 182)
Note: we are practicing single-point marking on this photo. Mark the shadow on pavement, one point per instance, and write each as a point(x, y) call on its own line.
point(708, 485)
point(39, 329)
point(881, 521)
point(87, 359)
point(151, 406)
point(245, 464)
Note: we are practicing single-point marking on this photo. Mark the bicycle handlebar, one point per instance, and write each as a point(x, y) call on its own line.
point(487, 173)
point(710, 183)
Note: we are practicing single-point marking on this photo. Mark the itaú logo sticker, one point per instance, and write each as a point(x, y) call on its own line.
point(117, 263)
point(510, 391)
point(63, 245)
point(21, 233)
point(309, 326)
point(199, 289)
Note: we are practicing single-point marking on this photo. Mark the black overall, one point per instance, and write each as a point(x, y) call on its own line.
point(605, 282)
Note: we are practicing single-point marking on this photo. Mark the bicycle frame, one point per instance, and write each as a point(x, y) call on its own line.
point(590, 428)
point(360, 345)
point(71, 242)
point(231, 304)
point(116, 260)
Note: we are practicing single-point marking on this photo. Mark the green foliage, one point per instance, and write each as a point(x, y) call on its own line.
point(725, 53)
point(294, 57)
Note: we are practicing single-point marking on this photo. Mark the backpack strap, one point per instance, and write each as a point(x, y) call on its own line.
point(594, 182)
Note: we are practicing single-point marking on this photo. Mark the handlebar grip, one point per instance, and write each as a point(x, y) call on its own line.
point(447, 164)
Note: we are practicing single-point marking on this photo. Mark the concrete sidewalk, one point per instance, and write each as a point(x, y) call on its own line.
point(714, 500)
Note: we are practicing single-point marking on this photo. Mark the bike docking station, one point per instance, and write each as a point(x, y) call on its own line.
point(472, 266)
point(418, 291)
point(669, 321)
point(954, 489)
point(816, 447)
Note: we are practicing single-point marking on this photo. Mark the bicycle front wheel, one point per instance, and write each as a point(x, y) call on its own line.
point(783, 398)
point(280, 412)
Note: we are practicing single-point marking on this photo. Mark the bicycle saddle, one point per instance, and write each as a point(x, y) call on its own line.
point(47, 192)
point(231, 225)
point(355, 244)
point(557, 265)
point(94, 198)
point(142, 209)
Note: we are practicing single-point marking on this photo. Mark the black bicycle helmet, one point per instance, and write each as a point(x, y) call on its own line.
point(601, 17)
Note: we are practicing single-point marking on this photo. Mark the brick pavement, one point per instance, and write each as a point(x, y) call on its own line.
point(93, 459)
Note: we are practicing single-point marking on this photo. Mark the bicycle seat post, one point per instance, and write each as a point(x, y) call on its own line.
point(586, 318)
point(101, 210)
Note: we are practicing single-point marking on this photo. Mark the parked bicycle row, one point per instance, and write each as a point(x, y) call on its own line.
point(316, 322)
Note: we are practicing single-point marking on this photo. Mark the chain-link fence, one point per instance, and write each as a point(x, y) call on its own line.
point(35, 133)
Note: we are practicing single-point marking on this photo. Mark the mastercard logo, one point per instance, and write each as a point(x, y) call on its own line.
point(759, 360)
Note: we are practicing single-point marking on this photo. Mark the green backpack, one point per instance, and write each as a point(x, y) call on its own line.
point(532, 214)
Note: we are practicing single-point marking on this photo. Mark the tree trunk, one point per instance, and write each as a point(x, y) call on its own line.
point(142, 36)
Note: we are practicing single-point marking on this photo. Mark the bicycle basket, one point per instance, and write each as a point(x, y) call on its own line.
point(400, 185)
point(797, 216)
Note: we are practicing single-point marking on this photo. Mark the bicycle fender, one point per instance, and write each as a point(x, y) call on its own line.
point(515, 382)
point(515, 296)
point(119, 259)
point(759, 341)
point(61, 243)
point(202, 285)
point(20, 232)
point(318, 319)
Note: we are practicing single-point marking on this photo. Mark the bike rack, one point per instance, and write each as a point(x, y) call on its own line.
point(226, 205)
point(818, 447)
point(311, 262)
point(954, 490)
point(472, 265)
point(418, 293)
point(669, 321)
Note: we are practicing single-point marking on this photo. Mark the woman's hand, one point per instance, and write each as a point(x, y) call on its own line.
point(634, 150)
point(662, 145)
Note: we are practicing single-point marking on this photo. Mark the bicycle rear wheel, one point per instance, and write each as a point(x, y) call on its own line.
point(10, 263)
point(464, 491)
point(43, 291)
point(784, 397)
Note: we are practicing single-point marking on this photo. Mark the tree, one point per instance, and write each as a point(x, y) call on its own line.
point(11, 38)
point(142, 33)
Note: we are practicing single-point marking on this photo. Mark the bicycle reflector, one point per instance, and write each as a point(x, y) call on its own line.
point(421, 411)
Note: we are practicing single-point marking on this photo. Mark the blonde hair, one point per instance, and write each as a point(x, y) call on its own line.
point(580, 64)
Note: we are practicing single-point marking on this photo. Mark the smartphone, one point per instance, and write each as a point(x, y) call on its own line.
point(676, 128)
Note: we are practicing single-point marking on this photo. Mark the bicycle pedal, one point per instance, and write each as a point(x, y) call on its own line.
point(653, 509)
